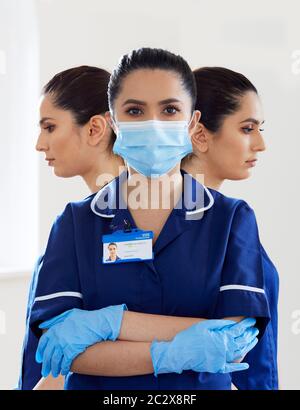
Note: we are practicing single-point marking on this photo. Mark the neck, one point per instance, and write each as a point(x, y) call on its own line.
point(105, 168)
point(161, 193)
point(201, 171)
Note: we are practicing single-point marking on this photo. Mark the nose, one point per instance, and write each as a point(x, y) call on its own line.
point(258, 143)
point(42, 144)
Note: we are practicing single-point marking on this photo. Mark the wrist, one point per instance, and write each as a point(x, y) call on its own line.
point(115, 316)
point(159, 353)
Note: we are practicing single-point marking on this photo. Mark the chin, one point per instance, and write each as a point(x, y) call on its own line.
point(245, 175)
point(240, 176)
point(61, 173)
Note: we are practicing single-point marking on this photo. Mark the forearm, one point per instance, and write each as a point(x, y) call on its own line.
point(127, 358)
point(119, 358)
point(144, 327)
point(122, 358)
point(50, 383)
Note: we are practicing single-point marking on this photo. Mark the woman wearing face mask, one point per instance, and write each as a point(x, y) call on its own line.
point(170, 327)
point(76, 140)
point(226, 144)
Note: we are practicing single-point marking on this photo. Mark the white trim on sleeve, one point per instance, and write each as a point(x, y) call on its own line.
point(58, 295)
point(241, 287)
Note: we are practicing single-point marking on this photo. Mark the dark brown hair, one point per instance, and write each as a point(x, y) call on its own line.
point(81, 90)
point(219, 92)
point(151, 58)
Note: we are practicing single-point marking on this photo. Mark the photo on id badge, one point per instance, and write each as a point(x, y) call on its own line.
point(132, 246)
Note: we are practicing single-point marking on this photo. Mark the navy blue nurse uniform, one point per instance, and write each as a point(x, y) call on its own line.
point(263, 371)
point(30, 371)
point(209, 267)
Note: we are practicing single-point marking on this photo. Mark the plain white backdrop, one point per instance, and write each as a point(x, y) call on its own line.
point(261, 39)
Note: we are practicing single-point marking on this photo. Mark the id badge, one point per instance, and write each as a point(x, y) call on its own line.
point(122, 247)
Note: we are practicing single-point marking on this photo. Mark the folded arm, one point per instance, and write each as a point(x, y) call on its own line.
point(144, 327)
point(126, 357)
point(119, 358)
point(131, 358)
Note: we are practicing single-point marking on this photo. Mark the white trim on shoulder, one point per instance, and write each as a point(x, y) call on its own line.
point(58, 295)
point(241, 287)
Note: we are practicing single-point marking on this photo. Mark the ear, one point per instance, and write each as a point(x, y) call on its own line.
point(96, 129)
point(199, 138)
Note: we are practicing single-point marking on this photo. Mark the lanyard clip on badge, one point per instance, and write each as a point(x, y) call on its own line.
point(127, 245)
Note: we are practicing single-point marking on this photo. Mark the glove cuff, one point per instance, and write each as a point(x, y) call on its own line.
point(158, 352)
point(115, 316)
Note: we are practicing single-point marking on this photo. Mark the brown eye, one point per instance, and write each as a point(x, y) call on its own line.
point(247, 130)
point(50, 128)
point(171, 110)
point(134, 111)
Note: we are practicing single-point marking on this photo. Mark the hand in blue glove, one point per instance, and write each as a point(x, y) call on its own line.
point(72, 332)
point(208, 346)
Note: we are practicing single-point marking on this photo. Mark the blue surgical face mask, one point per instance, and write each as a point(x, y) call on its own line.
point(152, 147)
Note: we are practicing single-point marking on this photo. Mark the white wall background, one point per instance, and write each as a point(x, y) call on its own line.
point(257, 38)
point(19, 91)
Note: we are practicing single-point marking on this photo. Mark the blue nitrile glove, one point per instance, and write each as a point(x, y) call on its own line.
point(208, 346)
point(72, 332)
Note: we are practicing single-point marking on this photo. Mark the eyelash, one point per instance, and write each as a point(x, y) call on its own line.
point(50, 128)
point(139, 109)
point(247, 130)
point(172, 107)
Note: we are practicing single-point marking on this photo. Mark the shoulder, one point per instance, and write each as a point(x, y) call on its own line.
point(78, 209)
point(228, 202)
point(232, 214)
point(75, 214)
point(230, 205)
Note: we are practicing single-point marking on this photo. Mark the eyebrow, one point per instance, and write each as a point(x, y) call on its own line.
point(167, 101)
point(41, 122)
point(253, 120)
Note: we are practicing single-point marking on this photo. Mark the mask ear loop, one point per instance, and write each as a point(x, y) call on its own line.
point(113, 122)
point(191, 119)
